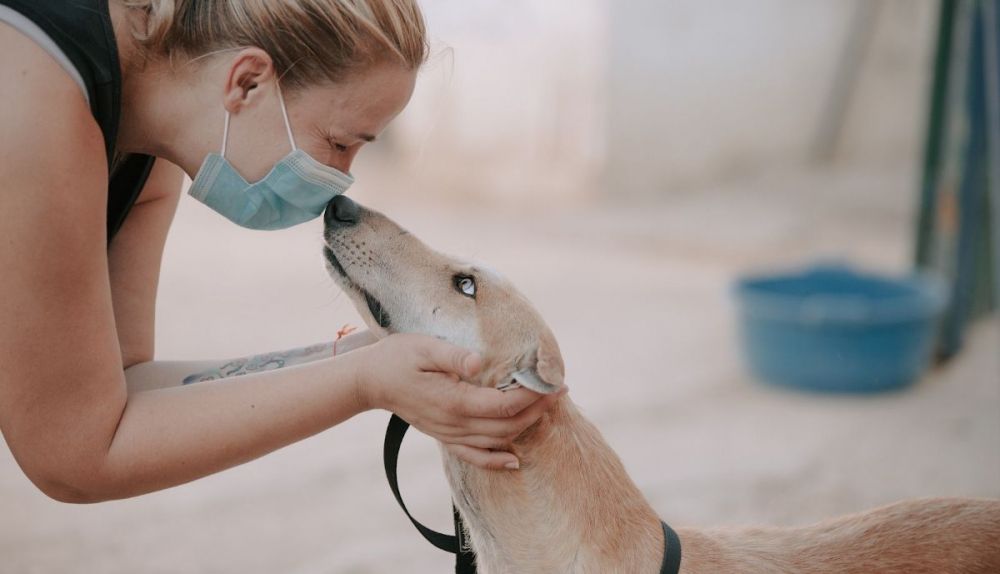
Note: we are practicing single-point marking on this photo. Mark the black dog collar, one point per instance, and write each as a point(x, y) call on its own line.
point(465, 559)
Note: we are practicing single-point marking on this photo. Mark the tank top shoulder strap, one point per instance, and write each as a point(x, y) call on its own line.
point(83, 32)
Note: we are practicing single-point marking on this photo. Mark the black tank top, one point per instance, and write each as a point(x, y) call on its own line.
point(83, 31)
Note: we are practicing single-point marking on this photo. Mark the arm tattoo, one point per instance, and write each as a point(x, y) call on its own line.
point(265, 362)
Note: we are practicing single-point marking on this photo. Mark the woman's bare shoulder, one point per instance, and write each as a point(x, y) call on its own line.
point(51, 141)
point(41, 100)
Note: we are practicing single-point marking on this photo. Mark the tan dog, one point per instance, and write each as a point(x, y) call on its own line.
point(572, 508)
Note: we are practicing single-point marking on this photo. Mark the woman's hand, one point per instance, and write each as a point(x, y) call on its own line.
point(419, 378)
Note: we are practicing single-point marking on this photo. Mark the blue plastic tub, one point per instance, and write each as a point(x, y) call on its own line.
point(835, 329)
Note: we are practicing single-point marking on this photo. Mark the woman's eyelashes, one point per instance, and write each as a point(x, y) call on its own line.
point(335, 145)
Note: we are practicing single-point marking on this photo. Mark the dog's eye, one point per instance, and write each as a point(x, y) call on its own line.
point(465, 285)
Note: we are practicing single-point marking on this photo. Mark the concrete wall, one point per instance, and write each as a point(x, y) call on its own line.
point(575, 99)
point(702, 89)
point(508, 108)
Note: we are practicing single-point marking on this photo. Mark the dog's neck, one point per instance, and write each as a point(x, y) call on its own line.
point(570, 503)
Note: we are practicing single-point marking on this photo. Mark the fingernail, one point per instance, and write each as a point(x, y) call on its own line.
point(512, 465)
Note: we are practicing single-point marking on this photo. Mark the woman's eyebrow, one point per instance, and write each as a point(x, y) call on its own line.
point(336, 133)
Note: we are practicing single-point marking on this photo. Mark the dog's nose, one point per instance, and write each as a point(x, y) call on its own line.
point(341, 212)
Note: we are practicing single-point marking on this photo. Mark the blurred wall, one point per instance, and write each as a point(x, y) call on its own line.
point(511, 101)
point(576, 99)
point(702, 90)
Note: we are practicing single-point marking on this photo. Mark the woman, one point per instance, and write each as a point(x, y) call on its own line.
point(289, 91)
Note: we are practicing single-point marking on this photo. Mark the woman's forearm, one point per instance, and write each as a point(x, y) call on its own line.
point(160, 374)
point(169, 436)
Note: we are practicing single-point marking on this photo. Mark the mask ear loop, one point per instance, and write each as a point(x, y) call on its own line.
point(225, 135)
point(284, 114)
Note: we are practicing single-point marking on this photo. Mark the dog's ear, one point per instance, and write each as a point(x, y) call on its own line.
point(546, 374)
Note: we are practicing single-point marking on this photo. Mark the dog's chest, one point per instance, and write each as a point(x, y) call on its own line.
point(483, 542)
point(499, 550)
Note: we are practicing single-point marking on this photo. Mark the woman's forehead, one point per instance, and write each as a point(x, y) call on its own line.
point(362, 105)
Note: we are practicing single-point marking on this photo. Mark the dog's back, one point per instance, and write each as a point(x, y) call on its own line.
point(940, 536)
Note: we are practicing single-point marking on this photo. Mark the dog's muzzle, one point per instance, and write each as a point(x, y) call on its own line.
point(342, 213)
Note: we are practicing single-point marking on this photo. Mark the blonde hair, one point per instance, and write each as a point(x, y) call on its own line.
point(308, 40)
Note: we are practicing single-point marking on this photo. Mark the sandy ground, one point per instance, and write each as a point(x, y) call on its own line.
point(638, 295)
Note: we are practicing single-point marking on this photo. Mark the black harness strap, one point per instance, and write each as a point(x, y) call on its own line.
point(465, 559)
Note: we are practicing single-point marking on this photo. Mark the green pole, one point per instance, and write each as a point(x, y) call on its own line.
point(935, 128)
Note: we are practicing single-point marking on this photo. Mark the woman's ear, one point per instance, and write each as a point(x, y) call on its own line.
point(249, 70)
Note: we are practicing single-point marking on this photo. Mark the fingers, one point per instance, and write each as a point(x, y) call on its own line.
point(477, 425)
point(485, 442)
point(447, 358)
point(490, 460)
point(491, 403)
point(486, 450)
point(509, 428)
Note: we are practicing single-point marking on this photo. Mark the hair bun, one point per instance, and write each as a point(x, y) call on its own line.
point(160, 16)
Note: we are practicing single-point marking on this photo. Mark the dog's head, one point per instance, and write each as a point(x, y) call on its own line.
point(399, 285)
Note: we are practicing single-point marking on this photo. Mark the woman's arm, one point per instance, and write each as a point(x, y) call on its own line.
point(65, 410)
point(134, 258)
point(173, 435)
point(160, 374)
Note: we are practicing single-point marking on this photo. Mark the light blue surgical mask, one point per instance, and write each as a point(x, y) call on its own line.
point(296, 190)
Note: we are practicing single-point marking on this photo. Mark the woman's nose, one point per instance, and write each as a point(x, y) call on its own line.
point(345, 159)
point(341, 212)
